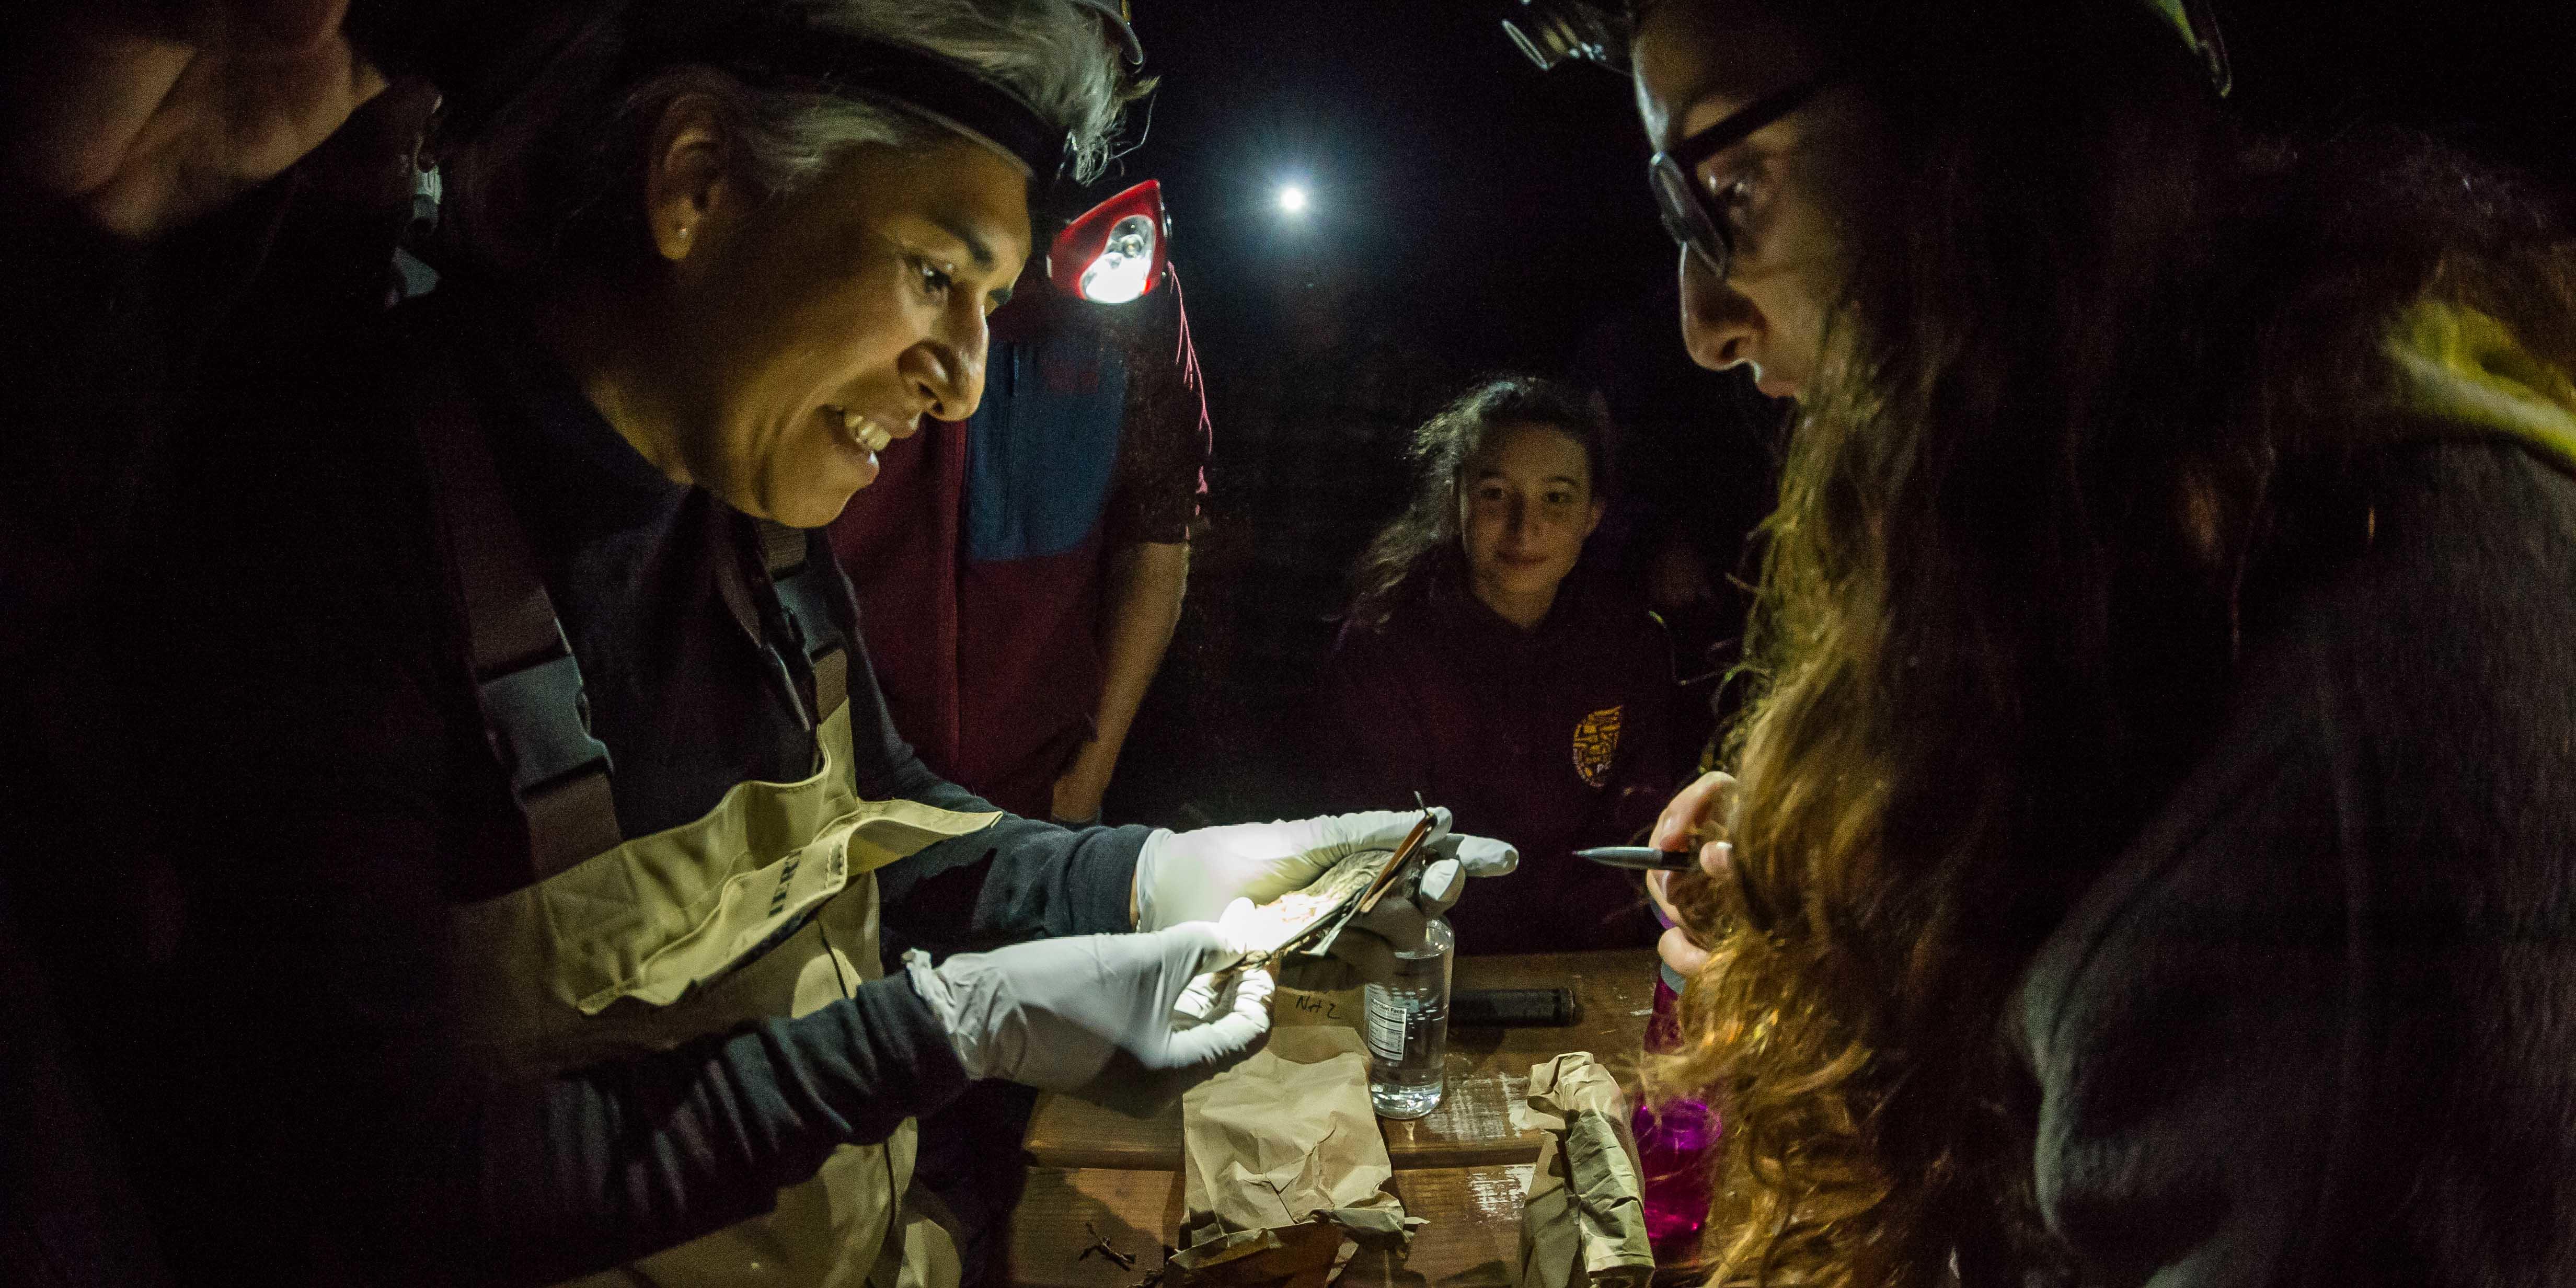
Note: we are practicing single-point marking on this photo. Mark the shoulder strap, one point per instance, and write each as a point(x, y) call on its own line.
point(784, 610)
point(526, 682)
point(803, 593)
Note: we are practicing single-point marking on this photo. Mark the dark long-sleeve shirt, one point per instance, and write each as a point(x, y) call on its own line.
point(327, 754)
point(2317, 1025)
point(1551, 739)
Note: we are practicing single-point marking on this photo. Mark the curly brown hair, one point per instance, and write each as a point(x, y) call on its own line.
point(2082, 324)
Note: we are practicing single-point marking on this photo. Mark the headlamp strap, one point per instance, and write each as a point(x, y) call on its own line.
point(778, 51)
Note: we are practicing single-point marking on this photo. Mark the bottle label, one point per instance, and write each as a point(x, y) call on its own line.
point(1387, 1021)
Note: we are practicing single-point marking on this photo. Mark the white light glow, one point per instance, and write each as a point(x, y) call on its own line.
point(1292, 199)
point(1126, 264)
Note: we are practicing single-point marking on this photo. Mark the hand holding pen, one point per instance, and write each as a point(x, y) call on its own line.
point(1702, 810)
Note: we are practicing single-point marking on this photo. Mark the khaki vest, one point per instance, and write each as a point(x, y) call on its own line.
point(766, 907)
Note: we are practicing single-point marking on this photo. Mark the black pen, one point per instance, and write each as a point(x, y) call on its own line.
point(1642, 858)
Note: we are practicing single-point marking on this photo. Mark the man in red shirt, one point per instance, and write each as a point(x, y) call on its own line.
point(1036, 554)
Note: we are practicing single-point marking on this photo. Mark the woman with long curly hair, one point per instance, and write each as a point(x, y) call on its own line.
point(2146, 859)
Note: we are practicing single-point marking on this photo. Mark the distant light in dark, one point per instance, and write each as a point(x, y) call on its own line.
point(1292, 199)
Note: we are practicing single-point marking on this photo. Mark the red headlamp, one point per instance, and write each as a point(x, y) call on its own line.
point(1117, 252)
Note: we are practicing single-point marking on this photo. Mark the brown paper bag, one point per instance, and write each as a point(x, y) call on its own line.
point(1583, 1219)
point(1282, 1136)
point(1299, 1256)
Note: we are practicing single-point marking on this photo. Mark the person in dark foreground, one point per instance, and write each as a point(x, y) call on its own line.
point(543, 812)
point(2147, 858)
point(124, 132)
point(1480, 666)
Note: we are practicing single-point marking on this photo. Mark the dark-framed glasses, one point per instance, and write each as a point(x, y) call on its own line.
point(1691, 213)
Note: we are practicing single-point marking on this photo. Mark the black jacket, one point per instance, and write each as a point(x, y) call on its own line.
point(2317, 1025)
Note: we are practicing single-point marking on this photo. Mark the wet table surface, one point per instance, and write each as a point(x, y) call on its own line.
point(1097, 1175)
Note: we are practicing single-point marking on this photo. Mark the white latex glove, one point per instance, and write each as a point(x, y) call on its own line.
point(1192, 876)
point(1112, 1019)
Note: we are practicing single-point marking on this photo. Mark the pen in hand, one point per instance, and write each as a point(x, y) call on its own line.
point(1641, 858)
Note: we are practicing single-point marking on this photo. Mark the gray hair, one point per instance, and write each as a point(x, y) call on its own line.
point(1052, 53)
point(548, 186)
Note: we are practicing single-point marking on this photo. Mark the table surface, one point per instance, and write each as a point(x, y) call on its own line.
point(1099, 1175)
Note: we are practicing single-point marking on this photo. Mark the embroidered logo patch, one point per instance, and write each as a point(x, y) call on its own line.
point(1596, 740)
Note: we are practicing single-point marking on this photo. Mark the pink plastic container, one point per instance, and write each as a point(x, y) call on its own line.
point(1674, 1144)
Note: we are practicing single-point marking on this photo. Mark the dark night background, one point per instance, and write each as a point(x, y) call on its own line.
point(1502, 210)
point(1471, 214)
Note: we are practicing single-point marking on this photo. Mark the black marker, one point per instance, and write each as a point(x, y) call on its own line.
point(1642, 858)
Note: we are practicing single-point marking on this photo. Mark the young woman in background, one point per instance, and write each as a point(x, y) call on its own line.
point(1481, 668)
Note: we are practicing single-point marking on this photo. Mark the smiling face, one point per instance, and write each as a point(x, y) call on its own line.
point(800, 333)
point(1525, 505)
point(1698, 63)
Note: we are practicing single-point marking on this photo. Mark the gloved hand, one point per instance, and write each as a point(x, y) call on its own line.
point(1192, 876)
point(1102, 1017)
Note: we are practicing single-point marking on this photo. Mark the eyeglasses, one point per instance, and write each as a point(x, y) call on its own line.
point(1691, 213)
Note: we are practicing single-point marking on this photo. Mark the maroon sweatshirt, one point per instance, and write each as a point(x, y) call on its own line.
point(1552, 739)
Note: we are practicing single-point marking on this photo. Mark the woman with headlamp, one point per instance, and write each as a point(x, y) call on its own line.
point(2147, 859)
point(556, 809)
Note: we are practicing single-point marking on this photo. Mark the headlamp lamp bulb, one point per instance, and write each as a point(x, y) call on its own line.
point(1116, 252)
point(1557, 31)
point(1125, 266)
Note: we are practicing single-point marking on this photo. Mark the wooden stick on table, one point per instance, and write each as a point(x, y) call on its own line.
point(1396, 862)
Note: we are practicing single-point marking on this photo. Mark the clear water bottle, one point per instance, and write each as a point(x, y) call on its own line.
point(1407, 1027)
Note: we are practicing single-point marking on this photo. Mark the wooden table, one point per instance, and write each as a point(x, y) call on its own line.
point(1461, 1166)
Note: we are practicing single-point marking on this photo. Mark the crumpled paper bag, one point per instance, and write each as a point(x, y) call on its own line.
point(1286, 1137)
point(1583, 1218)
point(1297, 1256)
point(1307, 1255)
